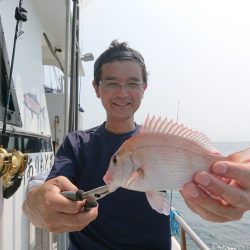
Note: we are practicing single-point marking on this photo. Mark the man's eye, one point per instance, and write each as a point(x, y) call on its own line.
point(133, 85)
point(112, 84)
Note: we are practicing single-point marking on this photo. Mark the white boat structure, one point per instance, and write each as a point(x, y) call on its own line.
point(34, 119)
point(31, 120)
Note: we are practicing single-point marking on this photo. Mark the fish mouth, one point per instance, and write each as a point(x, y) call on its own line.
point(107, 178)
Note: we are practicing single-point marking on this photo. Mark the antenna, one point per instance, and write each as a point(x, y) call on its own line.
point(178, 110)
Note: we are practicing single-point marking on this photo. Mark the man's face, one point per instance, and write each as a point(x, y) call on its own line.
point(122, 102)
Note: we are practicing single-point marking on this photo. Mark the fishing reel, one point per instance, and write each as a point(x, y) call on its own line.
point(12, 169)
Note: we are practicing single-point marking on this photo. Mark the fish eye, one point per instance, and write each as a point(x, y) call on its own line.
point(114, 160)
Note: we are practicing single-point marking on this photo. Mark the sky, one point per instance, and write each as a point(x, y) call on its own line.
point(197, 55)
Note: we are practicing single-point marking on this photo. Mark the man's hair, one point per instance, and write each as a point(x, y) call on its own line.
point(118, 52)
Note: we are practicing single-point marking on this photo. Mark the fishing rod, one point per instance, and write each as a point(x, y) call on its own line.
point(20, 16)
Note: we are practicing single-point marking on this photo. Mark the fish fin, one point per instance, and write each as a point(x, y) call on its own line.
point(139, 173)
point(241, 156)
point(169, 127)
point(159, 201)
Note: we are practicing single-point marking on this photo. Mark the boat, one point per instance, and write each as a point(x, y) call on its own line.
point(34, 117)
point(33, 34)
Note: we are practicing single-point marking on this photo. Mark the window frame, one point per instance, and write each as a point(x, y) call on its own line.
point(13, 115)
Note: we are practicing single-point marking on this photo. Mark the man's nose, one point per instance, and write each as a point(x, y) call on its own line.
point(123, 88)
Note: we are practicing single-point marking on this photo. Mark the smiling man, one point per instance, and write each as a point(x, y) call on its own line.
point(123, 220)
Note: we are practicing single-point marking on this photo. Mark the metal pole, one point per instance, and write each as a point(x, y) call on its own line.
point(191, 233)
point(62, 238)
point(66, 69)
point(77, 68)
point(72, 72)
point(62, 241)
point(183, 239)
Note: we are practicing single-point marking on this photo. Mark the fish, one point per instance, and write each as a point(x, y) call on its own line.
point(163, 156)
point(31, 102)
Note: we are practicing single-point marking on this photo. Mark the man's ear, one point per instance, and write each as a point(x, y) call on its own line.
point(96, 87)
point(144, 88)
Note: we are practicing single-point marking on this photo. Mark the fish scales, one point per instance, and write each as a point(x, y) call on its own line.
point(166, 166)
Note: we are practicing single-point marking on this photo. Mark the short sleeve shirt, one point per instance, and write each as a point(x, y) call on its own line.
point(125, 219)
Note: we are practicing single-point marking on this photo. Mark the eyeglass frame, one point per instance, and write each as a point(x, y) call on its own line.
point(122, 85)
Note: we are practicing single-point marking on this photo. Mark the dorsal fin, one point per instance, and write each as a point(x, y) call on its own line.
point(169, 127)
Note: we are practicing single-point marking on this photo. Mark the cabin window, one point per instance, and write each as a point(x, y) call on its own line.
point(13, 115)
point(54, 79)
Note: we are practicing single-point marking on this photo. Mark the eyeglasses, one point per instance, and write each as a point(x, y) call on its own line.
point(113, 85)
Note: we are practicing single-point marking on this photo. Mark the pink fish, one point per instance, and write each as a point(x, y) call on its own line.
point(163, 156)
point(31, 102)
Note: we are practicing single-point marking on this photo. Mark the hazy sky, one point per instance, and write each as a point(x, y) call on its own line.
point(197, 53)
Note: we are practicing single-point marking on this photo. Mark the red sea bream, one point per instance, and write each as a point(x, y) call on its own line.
point(163, 156)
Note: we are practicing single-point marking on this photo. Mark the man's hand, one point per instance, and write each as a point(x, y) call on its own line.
point(224, 194)
point(46, 207)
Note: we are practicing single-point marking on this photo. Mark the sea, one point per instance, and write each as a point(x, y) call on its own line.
point(233, 235)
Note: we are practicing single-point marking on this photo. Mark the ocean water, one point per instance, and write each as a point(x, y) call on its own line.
point(227, 236)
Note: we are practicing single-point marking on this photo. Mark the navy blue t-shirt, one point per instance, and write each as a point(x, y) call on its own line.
point(125, 219)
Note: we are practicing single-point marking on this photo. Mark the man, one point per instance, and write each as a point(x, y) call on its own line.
point(124, 219)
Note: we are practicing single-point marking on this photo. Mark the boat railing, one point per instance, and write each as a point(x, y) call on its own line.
point(53, 241)
point(185, 229)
